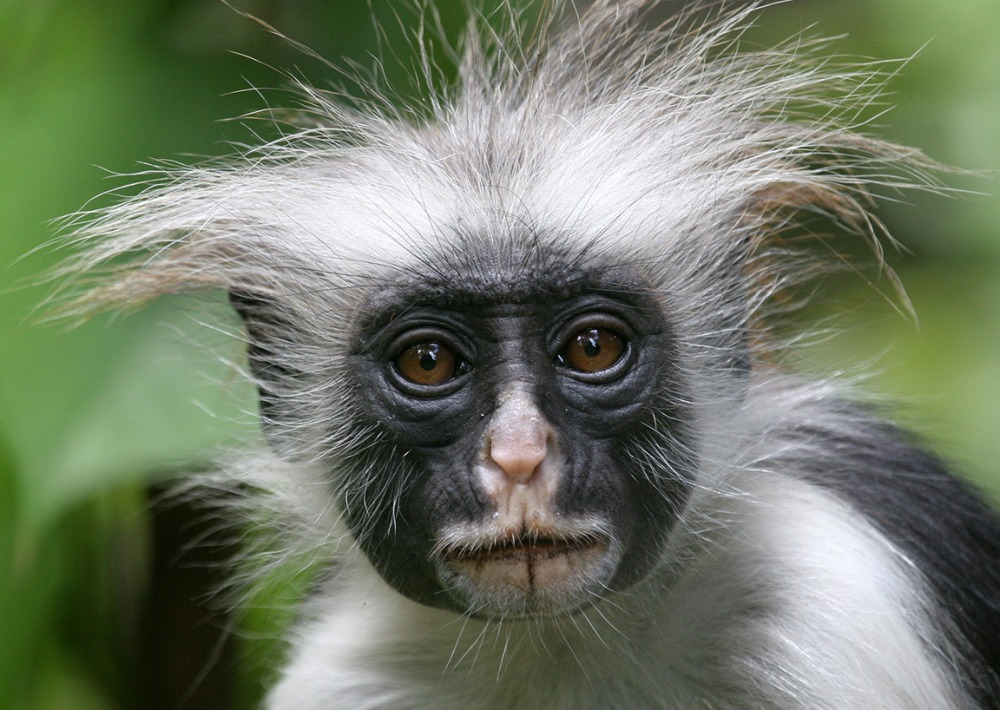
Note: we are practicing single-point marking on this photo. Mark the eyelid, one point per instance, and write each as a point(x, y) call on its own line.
point(561, 336)
point(429, 333)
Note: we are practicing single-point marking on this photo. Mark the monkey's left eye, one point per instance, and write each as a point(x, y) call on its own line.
point(592, 350)
point(429, 363)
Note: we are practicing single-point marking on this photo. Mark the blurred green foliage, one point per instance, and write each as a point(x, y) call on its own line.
point(89, 418)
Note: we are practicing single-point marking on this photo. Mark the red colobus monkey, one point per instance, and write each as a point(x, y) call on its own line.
point(520, 399)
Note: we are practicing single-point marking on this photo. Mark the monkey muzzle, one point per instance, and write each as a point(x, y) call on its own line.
point(526, 574)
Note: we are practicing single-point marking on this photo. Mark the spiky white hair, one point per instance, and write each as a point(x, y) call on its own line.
point(614, 137)
point(667, 144)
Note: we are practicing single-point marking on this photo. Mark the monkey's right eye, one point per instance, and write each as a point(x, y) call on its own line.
point(429, 363)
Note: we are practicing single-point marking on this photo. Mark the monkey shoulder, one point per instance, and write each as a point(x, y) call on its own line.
point(941, 525)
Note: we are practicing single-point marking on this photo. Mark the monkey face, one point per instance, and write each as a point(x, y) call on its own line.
point(522, 426)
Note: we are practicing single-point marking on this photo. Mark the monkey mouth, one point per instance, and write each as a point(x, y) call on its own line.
point(529, 551)
point(526, 574)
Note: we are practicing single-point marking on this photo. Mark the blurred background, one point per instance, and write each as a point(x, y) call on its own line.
point(102, 603)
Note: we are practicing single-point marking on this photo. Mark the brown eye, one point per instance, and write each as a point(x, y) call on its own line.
point(592, 350)
point(427, 363)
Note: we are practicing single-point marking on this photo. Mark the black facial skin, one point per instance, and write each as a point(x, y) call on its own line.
point(399, 496)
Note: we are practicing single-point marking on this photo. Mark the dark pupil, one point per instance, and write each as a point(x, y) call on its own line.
point(591, 346)
point(428, 356)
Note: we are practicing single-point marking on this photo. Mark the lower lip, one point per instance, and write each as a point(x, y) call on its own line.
point(543, 568)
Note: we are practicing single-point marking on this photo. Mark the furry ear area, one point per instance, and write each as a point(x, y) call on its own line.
point(781, 204)
point(113, 276)
point(268, 335)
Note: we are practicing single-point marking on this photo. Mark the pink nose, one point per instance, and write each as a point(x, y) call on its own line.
point(518, 438)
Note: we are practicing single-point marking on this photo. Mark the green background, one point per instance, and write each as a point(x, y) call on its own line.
point(91, 417)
